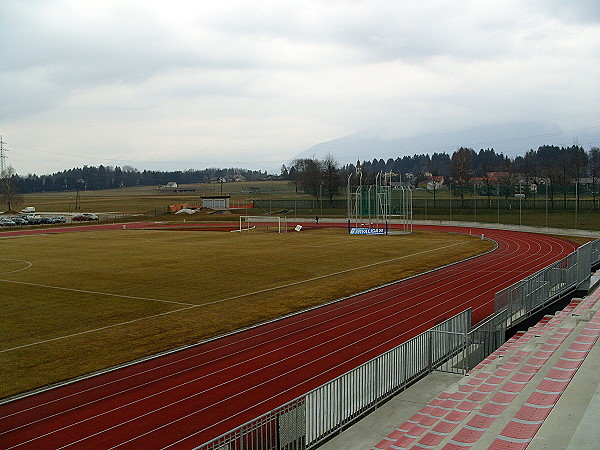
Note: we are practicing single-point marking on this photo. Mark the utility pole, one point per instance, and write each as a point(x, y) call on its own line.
point(2, 158)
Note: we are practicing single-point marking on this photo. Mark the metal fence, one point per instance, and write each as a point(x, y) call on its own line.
point(469, 349)
point(314, 417)
point(526, 297)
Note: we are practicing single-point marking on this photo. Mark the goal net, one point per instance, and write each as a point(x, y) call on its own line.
point(263, 223)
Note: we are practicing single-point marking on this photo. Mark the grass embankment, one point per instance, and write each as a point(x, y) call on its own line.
point(75, 303)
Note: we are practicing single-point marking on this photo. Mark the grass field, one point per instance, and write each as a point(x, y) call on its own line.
point(78, 302)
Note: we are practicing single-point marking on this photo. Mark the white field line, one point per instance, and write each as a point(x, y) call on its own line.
point(191, 306)
point(29, 264)
point(94, 330)
point(108, 294)
point(310, 280)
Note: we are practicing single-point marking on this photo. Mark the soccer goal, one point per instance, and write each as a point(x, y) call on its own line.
point(264, 223)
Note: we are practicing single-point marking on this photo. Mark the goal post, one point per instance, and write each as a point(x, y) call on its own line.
point(263, 222)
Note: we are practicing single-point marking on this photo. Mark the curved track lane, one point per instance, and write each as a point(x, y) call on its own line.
point(188, 397)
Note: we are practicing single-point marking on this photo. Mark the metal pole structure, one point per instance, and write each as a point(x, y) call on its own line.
point(520, 198)
point(349, 196)
point(321, 197)
point(576, 201)
point(475, 200)
point(2, 158)
point(546, 184)
point(498, 198)
point(450, 202)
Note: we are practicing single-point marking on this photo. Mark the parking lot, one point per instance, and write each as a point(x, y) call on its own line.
point(33, 219)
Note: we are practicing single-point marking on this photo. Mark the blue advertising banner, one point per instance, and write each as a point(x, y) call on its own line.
point(374, 231)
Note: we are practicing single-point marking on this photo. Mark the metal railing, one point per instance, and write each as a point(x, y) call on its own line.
point(524, 298)
point(315, 416)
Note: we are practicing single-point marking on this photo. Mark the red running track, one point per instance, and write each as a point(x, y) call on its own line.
point(191, 396)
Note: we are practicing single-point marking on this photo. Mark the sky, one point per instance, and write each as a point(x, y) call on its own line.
point(170, 85)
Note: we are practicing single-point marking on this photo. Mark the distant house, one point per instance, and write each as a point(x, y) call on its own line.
point(498, 177)
point(171, 184)
point(434, 183)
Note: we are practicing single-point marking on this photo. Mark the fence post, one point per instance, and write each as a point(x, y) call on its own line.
point(430, 353)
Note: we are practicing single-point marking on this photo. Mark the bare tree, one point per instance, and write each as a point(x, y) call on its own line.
point(309, 175)
point(578, 160)
point(9, 194)
point(331, 177)
point(461, 172)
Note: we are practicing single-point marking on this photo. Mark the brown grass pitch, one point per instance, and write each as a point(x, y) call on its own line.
point(78, 302)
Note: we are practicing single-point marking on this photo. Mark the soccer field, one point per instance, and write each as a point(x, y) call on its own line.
point(77, 302)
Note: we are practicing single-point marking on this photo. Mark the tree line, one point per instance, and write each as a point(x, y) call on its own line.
point(557, 170)
point(560, 170)
point(107, 177)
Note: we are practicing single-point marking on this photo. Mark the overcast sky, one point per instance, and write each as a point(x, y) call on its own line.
point(192, 84)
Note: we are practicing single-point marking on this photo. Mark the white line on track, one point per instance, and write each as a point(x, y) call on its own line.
point(193, 306)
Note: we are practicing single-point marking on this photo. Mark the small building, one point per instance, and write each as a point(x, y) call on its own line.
point(215, 201)
point(171, 184)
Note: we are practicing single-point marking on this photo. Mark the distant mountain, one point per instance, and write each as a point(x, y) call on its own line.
point(512, 140)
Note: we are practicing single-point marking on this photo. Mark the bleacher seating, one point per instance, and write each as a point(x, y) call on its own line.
point(514, 388)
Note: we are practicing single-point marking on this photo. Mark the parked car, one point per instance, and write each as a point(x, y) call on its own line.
point(84, 217)
point(34, 219)
point(59, 219)
point(20, 221)
point(4, 222)
point(47, 220)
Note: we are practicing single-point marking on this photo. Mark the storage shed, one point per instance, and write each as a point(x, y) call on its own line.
point(215, 201)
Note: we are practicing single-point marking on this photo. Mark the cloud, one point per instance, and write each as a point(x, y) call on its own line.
point(184, 82)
